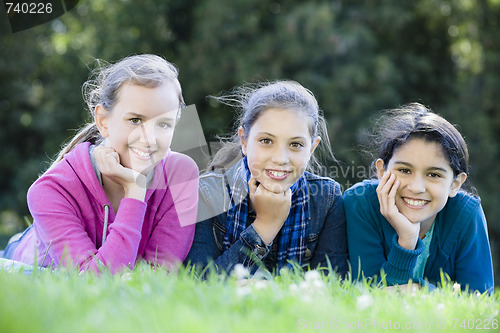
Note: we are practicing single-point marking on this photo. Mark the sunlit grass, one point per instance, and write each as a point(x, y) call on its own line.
point(149, 300)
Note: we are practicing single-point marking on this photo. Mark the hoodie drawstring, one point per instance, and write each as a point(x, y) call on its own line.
point(105, 228)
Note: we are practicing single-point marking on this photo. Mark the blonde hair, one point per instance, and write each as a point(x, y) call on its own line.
point(103, 87)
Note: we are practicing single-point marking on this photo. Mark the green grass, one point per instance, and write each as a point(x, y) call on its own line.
point(148, 300)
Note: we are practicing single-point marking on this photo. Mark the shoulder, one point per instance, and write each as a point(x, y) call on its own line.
point(212, 183)
point(73, 166)
point(462, 222)
point(176, 169)
point(67, 179)
point(311, 177)
point(365, 189)
point(216, 180)
point(464, 201)
point(322, 185)
point(179, 162)
point(463, 208)
point(213, 196)
point(362, 196)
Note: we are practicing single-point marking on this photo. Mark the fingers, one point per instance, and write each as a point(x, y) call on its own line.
point(387, 183)
point(106, 157)
point(252, 185)
point(113, 157)
point(383, 180)
point(386, 192)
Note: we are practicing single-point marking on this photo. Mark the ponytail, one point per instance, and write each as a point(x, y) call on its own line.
point(89, 133)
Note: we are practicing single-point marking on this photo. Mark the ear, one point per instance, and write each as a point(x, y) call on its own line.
point(243, 140)
point(457, 183)
point(315, 144)
point(379, 164)
point(101, 120)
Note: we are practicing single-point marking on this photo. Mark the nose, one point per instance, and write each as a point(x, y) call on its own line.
point(148, 134)
point(279, 155)
point(416, 184)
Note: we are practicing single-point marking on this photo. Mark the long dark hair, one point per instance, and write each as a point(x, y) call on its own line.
point(396, 127)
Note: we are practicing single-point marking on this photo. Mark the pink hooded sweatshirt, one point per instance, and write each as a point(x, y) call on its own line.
point(69, 209)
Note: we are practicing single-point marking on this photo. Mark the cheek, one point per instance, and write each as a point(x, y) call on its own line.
point(442, 195)
point(132, 135)
point(256, 168)
point(300, 161)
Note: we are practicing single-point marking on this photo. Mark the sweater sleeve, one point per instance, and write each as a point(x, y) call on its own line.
point(365, 240)
point(58, 225)
point(172, 236)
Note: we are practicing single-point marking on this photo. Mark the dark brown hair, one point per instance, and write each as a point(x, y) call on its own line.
point(398, 126)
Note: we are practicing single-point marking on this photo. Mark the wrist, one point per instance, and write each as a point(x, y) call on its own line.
point(266, 231)
point(408, 242)
point(135, 192)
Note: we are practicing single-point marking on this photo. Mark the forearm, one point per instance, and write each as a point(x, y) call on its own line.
point(398, 268)
point(121, 246)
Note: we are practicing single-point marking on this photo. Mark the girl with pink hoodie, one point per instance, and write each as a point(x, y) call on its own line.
point(117, 193)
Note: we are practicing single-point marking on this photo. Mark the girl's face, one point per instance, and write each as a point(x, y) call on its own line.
point(141, 124)
point(278, 148)
point(426, 179)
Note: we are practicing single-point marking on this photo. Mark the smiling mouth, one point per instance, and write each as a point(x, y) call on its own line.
point(415, 202)
point(277, 174)
point(141, 153)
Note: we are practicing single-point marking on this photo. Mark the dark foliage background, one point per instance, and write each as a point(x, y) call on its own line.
point(358, 57)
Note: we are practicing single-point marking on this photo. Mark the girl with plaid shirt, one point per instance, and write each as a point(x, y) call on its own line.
point(265, 210)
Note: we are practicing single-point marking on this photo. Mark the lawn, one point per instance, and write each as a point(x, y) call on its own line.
point(149, 300)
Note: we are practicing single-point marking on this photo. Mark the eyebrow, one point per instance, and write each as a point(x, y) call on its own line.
point(137, 115)
point(269, 134)
point(431, 168)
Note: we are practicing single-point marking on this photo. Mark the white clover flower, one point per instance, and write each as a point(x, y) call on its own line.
point(240, 272)
point(440, 307)
point(260, 284)
point(456, 287)
point(312, 282)
point(364, 302)
point(318, 284)
point(242, 291)
point(312, 275)
point(304, 286)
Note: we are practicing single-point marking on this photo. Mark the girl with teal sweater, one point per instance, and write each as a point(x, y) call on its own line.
point(416, 220)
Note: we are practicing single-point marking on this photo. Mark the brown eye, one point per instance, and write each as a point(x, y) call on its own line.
point(164, 125)
point(434, 175)
point(265, 141)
